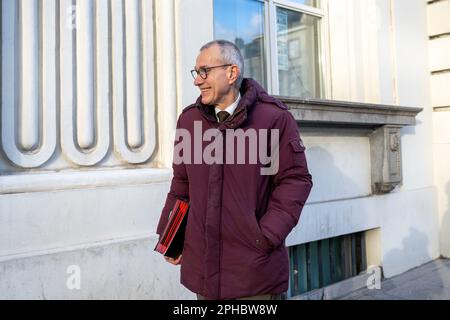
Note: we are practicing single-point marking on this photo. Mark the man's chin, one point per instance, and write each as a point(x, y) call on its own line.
point(206, 101)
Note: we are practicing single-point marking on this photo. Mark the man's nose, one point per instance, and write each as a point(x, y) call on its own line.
point(198, 80)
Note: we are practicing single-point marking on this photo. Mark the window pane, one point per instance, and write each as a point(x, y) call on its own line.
point(298, 65)
point(242, 22)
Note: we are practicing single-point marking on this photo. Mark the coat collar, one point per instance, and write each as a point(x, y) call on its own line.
point(250, 91)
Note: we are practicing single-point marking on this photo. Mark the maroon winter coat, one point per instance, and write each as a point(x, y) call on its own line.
point(238, 218)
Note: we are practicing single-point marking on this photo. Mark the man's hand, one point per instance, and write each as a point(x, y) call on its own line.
point(175, 262)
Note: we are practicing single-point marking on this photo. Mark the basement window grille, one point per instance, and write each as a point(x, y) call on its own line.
point(321, 263)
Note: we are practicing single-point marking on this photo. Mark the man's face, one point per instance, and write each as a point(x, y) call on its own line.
point(217, 88)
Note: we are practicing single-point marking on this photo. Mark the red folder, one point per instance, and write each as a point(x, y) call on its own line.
point(171, 241)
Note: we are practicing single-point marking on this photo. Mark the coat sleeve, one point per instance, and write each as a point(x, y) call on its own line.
point(179, 189)
point(292, 183)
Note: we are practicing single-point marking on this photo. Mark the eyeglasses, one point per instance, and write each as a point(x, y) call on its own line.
point(203, 72)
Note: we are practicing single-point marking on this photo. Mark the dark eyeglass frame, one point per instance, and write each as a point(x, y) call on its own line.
point(203, 72)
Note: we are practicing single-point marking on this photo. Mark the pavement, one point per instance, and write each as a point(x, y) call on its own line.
point(430, 281)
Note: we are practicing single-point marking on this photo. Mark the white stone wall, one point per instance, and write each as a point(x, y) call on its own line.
point(70, 97)
point(87, 137)
point(439, 44)
point(378, 53)
point(89, 105)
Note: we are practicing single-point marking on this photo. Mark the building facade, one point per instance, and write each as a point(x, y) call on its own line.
point(90, 94)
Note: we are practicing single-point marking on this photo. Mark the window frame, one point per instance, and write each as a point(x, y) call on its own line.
point(271, 43)
point(271, 47)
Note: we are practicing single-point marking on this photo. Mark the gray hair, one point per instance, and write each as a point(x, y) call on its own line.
point(230, 54)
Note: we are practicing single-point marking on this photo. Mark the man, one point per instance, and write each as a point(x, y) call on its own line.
point(239, 214)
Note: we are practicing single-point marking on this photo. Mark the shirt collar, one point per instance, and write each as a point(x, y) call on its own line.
point(230, 109)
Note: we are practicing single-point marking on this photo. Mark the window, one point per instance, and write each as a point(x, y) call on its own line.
point(242, 22)
point(321, 263)
point(280, 42)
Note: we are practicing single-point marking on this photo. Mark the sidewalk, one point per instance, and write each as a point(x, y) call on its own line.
point(428, 282)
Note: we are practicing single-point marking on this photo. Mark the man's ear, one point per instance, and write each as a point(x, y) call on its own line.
point(234, 73)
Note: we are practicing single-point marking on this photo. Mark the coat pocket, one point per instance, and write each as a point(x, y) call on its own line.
point(297, 145)
point(297, 149)
point(257, 236)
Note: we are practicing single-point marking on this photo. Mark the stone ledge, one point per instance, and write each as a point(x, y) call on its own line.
point(92, 246)
point(64, 180)
point(330, 113)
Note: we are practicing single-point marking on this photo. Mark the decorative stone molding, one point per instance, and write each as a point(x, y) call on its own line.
point(383, 121)
point(28, 103)
point(385, 152)
point(78, 83)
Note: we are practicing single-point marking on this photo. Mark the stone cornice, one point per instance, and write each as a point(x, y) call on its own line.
point(318, 112)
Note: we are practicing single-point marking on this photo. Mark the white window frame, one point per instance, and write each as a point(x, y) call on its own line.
point(270, 7)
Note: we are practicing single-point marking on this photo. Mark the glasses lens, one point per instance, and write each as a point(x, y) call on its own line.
point(194, 74)
point(202, 72)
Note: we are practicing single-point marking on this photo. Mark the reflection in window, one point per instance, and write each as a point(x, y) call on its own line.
point(242, 22)
point(298, 65)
